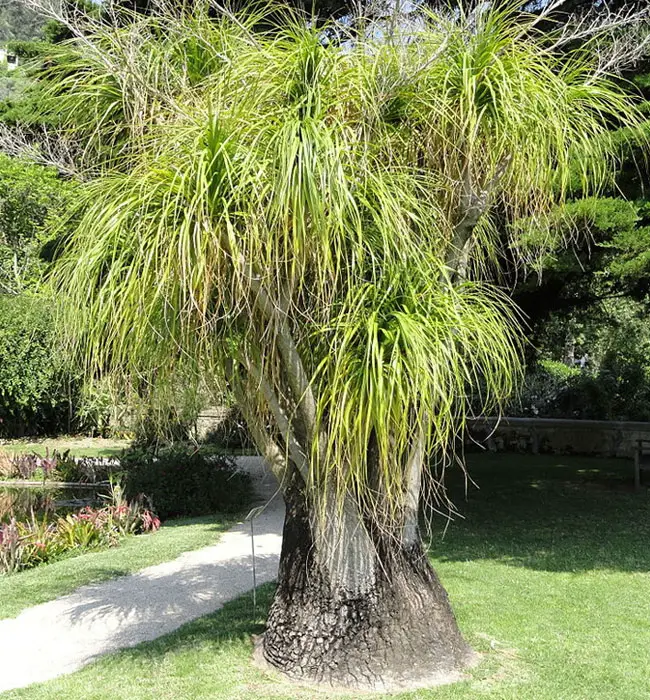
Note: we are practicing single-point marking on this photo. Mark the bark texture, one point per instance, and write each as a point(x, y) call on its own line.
point(396, 630)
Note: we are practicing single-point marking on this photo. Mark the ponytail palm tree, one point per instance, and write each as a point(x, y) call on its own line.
point(310, 219)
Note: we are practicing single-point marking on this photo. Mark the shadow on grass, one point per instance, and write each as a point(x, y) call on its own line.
point(218, 523)
point(98, 619)
point(236, 621)
point(548, 513)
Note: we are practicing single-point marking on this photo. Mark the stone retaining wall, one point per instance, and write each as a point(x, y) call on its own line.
point(557, 436)
point(211, 419)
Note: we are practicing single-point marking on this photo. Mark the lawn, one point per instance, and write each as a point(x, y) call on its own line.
point(79, 447)
point(50, 581)
point(99, 447)
point(549, 574)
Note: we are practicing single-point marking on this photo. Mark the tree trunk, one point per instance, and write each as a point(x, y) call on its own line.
point(382, 626)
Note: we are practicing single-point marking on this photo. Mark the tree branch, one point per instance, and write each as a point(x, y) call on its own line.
point(474, 203)
point(41, 148)
point(414, 467)
point(274, 456)
point(294, 448)
point(296, 375)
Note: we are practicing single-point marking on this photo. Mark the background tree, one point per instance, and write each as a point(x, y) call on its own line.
point(19, 21)
point(591, 298)
point(314, 225)
point(33, 201)
point(37, 392)
point(36, 388)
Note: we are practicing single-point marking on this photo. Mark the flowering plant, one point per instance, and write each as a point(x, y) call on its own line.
point(27, 544)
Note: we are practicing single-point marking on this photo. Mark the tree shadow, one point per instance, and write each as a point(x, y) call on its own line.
point(236, 621)
point(216, 523)
point(547, 513)
point(102, 618)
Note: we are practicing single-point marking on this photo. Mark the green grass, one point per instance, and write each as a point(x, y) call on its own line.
point(100, 447)
point(549, 574)
point(79, 447)
point(34, 586)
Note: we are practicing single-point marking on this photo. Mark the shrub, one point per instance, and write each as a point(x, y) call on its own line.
point(26, 49)
point(619, 389)
point(31, 466)
point(33, 205)
point(35, 388)
point(84, 530)
point(57, 466)
point(129, 517)
point(545, 390)
point(25, 466)
point(230, 433)
point(185, 481)
point(615, 384)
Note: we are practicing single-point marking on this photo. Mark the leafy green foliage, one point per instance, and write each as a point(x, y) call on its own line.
point(26, 50)
point(632, 264)
point(21, 90)
point(594, 296)
point(83, 469)
point(33, 200)
point(183, 481)
point(252, 191)
point(35, 388)
point(544, 389)
point(615, 385)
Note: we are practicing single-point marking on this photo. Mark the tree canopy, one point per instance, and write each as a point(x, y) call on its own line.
point(345, 187)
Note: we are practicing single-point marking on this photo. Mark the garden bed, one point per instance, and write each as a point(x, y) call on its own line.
point(41, 521)
point(21, 500)
point(36, 529)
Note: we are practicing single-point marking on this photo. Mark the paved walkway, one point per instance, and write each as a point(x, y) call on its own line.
point(61, 636)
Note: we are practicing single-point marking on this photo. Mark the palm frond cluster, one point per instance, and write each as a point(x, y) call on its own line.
point(260, 191)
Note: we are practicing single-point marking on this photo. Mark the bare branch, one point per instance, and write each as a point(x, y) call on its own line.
point(43, 148)
point(623, 50)
point(600, 28)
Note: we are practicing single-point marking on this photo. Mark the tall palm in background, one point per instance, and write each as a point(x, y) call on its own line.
point(310, 218)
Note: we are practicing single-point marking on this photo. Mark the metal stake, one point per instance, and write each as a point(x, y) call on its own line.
point(251, 516)
point(254, 572)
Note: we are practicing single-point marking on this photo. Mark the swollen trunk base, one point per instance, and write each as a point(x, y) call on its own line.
point(399, 632)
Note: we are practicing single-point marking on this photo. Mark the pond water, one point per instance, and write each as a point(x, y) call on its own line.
point(21, 501)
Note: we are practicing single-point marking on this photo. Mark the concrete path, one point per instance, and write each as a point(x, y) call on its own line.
point(61, 636)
